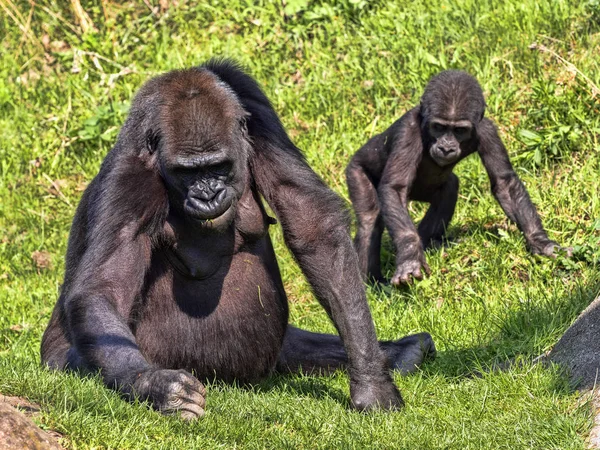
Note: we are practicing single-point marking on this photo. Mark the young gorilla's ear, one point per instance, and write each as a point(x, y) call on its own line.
point(423, 114)
point(152, 139)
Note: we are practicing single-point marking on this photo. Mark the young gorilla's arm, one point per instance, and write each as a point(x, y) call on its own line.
point(396, 181)
point(509, 190)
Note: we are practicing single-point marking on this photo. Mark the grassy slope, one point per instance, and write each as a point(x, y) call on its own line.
point(336, 76)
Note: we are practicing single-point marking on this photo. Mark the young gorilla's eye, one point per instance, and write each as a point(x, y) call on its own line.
point(461, 131)
point(438, 127)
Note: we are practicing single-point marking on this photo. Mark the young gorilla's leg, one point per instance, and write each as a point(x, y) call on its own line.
point(433, 226)
point(367, 242)
point(317, 352)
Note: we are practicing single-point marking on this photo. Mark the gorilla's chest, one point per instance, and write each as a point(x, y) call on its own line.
point(429, 178)
point(215, 304)
point(230, 325)
point(200, 254)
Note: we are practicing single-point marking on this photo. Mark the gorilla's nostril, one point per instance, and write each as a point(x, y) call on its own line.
point(205, 195)
point(209, 194)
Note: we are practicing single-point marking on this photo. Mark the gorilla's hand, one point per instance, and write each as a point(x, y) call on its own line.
point(409, 269)
point(171, 392)
point(371, 395)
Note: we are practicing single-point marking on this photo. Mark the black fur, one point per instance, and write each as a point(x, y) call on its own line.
point(170, 269)
point(414, 160)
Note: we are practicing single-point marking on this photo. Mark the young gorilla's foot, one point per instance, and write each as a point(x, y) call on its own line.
point(436, 242)
point(376, 278)
point(171, 392)
point(408, 353)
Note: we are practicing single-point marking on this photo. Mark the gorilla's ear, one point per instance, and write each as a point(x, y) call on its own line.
point(244, 125)
point(152, 139)
point(421, 110)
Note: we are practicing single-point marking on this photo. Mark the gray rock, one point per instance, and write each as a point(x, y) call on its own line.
point(18, 432)
point(578, 350)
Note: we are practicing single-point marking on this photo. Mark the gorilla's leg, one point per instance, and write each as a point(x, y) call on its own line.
point(367, 242)
point(316, 352)
point(433, 226)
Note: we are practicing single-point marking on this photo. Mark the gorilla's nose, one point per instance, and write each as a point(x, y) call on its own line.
point(208, 193)
point(447, 150)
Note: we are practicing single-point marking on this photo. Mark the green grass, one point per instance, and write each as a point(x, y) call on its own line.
point(336, 75)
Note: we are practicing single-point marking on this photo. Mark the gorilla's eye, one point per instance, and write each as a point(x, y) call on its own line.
point(438, 128)
point(461, 131)
point(221, 169)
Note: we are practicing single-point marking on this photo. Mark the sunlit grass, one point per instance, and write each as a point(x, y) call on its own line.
point(336, 75)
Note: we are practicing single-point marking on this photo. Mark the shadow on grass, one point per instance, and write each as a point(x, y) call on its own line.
point(456, 235)
point(316, 386)
point(523, 335)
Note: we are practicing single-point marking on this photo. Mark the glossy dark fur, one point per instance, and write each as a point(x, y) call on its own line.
point(414, 160)
point(170, 268)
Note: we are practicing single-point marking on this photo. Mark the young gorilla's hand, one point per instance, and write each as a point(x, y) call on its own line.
point(410, 268)
point(546, 247)
point(171, 392)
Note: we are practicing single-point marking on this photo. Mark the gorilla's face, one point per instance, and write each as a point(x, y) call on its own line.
point(451, 108)
point(447, 137)
point(203, 152)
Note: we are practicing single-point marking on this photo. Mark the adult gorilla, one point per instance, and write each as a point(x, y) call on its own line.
point(170, 268)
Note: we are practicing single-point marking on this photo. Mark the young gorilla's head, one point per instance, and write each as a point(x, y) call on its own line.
point(202, 147)
point(451, 108)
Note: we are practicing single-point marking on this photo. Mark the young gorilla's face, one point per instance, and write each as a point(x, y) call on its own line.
point(203, 152)
point(447, 137)
point(451, 108)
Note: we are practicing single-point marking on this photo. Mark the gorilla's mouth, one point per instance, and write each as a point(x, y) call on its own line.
point(443, 159)
point(209, 212)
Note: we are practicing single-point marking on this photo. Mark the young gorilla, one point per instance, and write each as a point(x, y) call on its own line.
point(414, 159)
point(170, 269)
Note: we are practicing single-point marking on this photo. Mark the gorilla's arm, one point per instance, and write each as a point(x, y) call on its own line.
point(124, 211)
point(509, 190)
point(394, 188)
point(316, 231)
point(100, 300)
